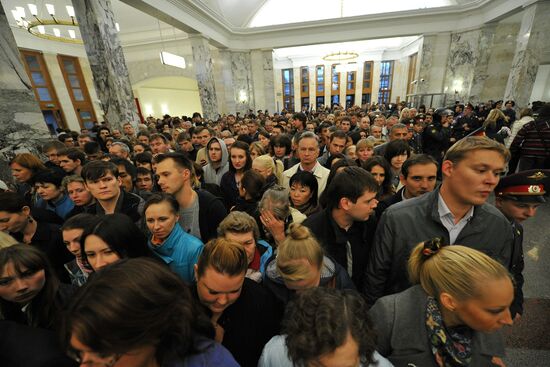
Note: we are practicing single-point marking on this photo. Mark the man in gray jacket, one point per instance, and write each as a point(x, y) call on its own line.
point(457, 212)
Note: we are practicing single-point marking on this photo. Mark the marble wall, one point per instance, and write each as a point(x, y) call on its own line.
point(481, 70)
point(202, 60)
point(241, 71)
point(22, 126)
point(112, 83)
point(432, 60)
point(532, 40)
point(269, 89)
point(500, 61)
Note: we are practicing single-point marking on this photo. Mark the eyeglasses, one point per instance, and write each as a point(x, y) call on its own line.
point(102, 360)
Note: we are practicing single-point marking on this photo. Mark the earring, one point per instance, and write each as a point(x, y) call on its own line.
point(30, 220)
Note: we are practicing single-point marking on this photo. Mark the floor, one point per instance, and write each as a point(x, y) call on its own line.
point(528, 341)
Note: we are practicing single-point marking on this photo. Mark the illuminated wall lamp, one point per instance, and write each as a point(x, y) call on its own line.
point(167, 58)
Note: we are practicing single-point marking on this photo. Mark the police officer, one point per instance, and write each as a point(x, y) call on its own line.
point(436, 136)
point(466, 123)
point(518, 197)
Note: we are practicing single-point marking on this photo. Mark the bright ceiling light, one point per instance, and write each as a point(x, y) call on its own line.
point(16, 16)
point(173, 60)
point(41, 29)
point(72, 33)
point(70, 11)
point(57, 32)
point(117, 27)
point(33, 9)
point(51, 9)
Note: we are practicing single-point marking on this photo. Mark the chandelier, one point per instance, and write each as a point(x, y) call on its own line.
point(341, 56)
point(36, 25)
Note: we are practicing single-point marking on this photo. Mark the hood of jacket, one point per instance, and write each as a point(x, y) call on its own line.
point(225, 153)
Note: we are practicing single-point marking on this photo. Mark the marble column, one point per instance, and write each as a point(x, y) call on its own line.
point(432, 63)
point(111, 79)
point(227, 78)
point(269, 86)
point(461, 64)
point(22, 125)
point(241, 71)
point(481, 70)
point(202, 60)
point(532, 41)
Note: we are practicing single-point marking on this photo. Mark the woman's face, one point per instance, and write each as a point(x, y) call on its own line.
point(279, 151)
point(491, 311)
point(351, 152)
point(238, 158)
point(138, 148)
point(14, 222)
point(398, 160)
point(20, 288)
point(312, 279)
point(217, 291)
point(48, 191)
point(254, 153)
point(379, 174)
point(365, 153)
point(139, 357)
point(20, 173)
point(300, 194)
point(78, 193)
point(263, 140)
point(161, 219)
point(98, 252)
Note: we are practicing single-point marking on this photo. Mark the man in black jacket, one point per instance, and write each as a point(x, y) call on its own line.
point(200, 211)
point(418, 176)
point(343, 228)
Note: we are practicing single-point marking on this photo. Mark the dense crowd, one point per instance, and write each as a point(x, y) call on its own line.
point(359, 237)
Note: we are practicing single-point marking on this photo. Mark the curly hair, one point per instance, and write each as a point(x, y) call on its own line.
point(335, 314)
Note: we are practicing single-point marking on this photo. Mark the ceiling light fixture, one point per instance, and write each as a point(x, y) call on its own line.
point(342, 56)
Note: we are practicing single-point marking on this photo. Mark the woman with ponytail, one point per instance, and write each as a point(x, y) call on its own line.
point(301, 264)
point(450, 317)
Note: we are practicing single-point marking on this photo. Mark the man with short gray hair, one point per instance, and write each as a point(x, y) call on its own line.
point(308, 152)
point(397, 132)
point(120, 149)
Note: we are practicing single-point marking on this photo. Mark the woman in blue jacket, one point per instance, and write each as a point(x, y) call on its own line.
point(177, 248)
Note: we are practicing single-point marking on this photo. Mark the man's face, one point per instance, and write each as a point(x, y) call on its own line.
point(420, 180)
point(171, 178)
point(376, 131)
point(467, 111)
point(517, 210)
point(252, 128)
point(392, 120)
point(143, 139)
point(69, 142)
point(195, 139)
point(158, 146)
point(103, 134)
point(471, 181)
point(215, 152)
point(117, 134)
point(71, 240)
point(129, 130)
point(345, 125)
point(276, 131)
point(429, 119)
point(308, 151)
point(83, 140)
point(362, 209)
point(185, 145)
point(127, 182)
point(52, 156)
point(399, 134)
point(379, 121)
point(117, 150)
point(204, 136)
point(364, 123)
point(144, 182)
point(94, 156)
point(337, 145)
point(104, 188)
point(67, 164)
point(297, 124)
point(269, 126)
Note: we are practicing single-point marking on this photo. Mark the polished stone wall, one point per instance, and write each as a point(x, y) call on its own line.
point(241, 70)
point(202, 62)
point(532, 39)
point(22, 126)
point(112, 83)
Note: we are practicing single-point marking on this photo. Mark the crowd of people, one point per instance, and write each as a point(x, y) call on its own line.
point(359, 237)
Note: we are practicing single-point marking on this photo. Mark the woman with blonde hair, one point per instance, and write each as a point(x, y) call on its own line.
point(495, 125)
point(462, 295)
point(256, 150)
point(302, 264)
point(364, 150)
point(270, 168)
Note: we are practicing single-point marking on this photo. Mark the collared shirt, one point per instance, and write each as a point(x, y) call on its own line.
point(448, 219)
point(317, 164)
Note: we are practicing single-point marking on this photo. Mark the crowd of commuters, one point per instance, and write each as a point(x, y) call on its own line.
point(331, 238)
